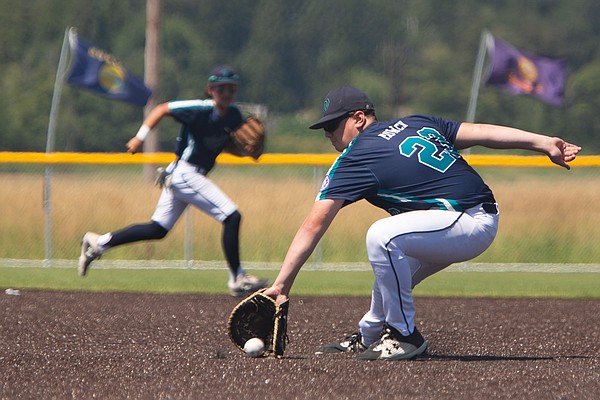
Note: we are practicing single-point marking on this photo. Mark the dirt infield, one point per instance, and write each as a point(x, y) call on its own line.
point(57, 345)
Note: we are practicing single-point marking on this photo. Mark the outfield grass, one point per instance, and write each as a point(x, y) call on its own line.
point(547, 216)
point(308, 283)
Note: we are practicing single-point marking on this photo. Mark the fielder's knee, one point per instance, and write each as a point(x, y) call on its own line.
point(156, 231)
point(375, 237)
point(233, 219)
point(377, 244)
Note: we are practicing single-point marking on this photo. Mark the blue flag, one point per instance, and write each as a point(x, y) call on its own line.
point(97, 70)
point(519, 73)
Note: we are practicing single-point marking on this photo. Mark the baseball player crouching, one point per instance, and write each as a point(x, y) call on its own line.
point(441, 211)
point(205, 132)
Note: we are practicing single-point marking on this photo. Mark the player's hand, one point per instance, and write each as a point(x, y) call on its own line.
point(134, 145)
point(275, 293)
point(561, 152)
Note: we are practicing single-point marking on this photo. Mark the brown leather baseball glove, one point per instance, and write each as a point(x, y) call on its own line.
point(258, 316)
point(248, 139)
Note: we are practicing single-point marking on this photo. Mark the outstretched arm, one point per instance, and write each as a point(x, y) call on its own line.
point(503, 137)
point(153, 118)
point(312, 229)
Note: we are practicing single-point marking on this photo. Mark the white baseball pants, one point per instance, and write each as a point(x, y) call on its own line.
point(191, 187)
point(405, 249)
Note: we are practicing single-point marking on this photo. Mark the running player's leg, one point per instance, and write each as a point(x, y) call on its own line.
point(133, 233)
point(204, 194)
point(198, 190)
point(230, 240)
point(168, 210)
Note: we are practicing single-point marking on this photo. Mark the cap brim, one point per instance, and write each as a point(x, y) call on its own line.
point(319, 124)
point(224, 82)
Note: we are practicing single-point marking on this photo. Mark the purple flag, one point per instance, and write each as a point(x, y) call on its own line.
point(95, 69)
point(519, 73)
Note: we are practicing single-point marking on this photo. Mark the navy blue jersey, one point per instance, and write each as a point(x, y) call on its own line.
point(204, 133)
point(404, 165)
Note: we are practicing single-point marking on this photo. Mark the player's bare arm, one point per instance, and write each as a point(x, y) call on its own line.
point(559, 151)
point(135, 144)
point(310, 232)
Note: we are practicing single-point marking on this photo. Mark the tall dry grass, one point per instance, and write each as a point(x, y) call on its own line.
point(546, 216)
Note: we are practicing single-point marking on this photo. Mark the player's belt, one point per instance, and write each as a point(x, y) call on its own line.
point(490, 208)
point(189, 165)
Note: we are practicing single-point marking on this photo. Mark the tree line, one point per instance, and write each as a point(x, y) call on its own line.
point(411, 56)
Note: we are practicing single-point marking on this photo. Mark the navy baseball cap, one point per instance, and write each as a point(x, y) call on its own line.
point(341, 101)
point(224, 75)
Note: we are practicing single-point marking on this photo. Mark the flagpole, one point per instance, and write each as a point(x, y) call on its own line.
point(50, 140)
point(477, 73)
point(151, 64)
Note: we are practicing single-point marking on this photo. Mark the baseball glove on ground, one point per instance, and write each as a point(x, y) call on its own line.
point(248, 139)
point(259, 316)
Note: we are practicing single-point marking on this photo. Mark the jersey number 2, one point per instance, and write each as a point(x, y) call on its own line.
point(427, 151)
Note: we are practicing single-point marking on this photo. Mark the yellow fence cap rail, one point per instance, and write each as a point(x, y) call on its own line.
point(324, 159)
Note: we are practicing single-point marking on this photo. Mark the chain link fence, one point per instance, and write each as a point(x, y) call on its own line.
point(548, 215)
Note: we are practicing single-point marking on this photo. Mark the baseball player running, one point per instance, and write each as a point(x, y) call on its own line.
point(204, 134)
point(441, 211)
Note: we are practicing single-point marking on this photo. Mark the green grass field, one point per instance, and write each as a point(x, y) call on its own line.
point(308, 283)
point(546, 217)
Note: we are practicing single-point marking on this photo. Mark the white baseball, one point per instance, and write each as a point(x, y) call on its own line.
point(254, 347)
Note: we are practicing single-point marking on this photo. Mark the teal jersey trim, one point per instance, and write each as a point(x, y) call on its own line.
point(192, 104)
point(333, 169)
point(399, 198)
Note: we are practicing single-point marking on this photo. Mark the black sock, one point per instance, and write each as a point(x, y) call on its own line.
point(136, 233)
point(231, 241)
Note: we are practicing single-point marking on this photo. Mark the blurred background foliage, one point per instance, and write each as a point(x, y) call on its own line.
point(411, 56)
